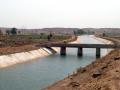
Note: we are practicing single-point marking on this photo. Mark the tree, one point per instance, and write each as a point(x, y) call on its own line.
point(1, 32)
point(74, 32)
point(13, 31)
point(19, 32)
point(50, 36)
point(8, 32)
point(42, 34)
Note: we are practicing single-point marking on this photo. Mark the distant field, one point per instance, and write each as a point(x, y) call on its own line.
point(10, 44)
point(31, 37)
point(10, 40)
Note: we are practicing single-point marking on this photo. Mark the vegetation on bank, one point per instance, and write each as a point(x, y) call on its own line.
point(9, 40)
point(13, 40)
point(15, 43)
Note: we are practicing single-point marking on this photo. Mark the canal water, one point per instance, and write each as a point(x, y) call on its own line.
point(38, 74)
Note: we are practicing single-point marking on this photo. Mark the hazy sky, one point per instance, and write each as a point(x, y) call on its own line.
point(59, 13)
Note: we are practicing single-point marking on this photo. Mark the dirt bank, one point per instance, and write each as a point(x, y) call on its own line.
point(17, 48)
point(102, 74)
point(24, 53)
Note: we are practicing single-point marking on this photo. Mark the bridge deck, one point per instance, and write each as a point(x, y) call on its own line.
point(81, 45)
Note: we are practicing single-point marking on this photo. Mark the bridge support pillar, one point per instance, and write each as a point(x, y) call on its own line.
point(80, 51)
point(97, 52)
point(63, 51)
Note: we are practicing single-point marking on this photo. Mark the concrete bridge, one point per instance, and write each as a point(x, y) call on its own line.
point(80, 47)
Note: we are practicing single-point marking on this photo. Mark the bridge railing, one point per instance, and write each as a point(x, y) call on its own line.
point(80, 47)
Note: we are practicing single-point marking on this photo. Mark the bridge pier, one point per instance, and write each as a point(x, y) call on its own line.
point(80, 47)
point(80, 51)
point(97, 52)
point(63, 51)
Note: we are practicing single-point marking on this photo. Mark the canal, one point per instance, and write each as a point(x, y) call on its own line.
point(38, 74)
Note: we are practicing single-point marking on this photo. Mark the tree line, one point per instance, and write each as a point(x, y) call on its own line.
point(12, 31)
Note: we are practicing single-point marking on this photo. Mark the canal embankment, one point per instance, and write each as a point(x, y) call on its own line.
point(11, 59)
point(42, 72)
point(101, 74)
point(21, 54)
